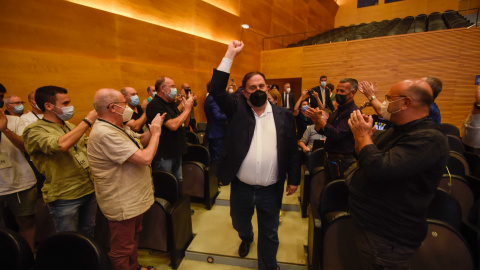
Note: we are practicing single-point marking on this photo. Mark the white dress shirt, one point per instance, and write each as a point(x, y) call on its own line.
point(260, 166)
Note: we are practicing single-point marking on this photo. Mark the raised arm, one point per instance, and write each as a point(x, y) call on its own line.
point(145, 156)
point(369, 90)
point(15, 139)
point(296, 109)
point(71, 138)
point(184, 117)
point(136, 125)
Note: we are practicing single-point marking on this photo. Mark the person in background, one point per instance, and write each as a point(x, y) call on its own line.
point(58, 150)
point(436, 85)
point(471, 126)
point(301, 120)
point(139, 116)
point(33, 115)
point(151, 93)
point(120, 162)
point(323, 95)
point(184, 93)
point(18, 189)
point(288, 98)
point(339, 145)
point(14, 105)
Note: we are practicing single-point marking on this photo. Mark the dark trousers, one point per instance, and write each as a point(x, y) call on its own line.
point(378, 253)
point(243, 201)
point(215, 148)
point(335, 167)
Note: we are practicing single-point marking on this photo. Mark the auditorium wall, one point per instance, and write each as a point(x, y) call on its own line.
point(452, 55)
point(84, 45)
point(348, 13)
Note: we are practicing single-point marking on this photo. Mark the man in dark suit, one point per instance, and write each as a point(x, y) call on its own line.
point(258, 151)
point(323, 95)
point(288, 98)
point(216, 126)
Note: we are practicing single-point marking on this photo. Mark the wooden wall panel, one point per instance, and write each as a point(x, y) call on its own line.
point(116, 43)
point(451, 55)
point(348, 13)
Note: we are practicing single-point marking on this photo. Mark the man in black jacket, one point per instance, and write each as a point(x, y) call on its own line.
point(258, 151)
point(323, 95)
point(398, 174)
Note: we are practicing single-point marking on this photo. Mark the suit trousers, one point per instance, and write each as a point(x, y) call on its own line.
point(244, 199)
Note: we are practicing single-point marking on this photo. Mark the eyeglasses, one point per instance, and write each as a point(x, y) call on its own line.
point(388, 97)
point(115, 103)
point(17, 103)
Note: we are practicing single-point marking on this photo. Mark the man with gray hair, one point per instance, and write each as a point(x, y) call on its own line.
point(339, 144)
point(396, 177)
point(14, 105)
point(139, 116)
point(120, 167)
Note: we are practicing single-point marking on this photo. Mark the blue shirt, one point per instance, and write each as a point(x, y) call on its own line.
point(435, 113)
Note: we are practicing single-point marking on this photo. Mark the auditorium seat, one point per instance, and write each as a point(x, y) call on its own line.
point(457, 165)
point(173, 210)
point(15, 253)
point(459, 188)
point(317, 183)
point(473, 161)
point(333, 200)
point(447, 128)
point(191, 137)
point(71, 250)
point(443, 248)
point(455, 144)
point(197, 179)
point(445, 207)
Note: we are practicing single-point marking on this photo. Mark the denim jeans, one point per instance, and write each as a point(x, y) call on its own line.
point(244, 199)
point(171, 165)
point(75, 215)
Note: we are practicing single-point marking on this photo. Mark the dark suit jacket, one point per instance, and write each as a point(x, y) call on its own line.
point(216, 120)
point(328, 101)
point(240, 128)
point(291, 98)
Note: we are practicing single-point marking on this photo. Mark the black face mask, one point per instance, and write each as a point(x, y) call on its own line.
point(258, 98)
point(341, 99)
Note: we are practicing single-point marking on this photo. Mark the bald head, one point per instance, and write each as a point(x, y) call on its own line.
point(103, 98)
point(126, 91)
point(185, 86)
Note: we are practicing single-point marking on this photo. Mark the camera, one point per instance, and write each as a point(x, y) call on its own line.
point(187, 91)
point(310, 92)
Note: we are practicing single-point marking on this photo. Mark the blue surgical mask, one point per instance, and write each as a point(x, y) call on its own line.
point(67, 113)
point(173, 92)
point(304, 108)
point(134, 100)
point(323, 84)
point(19, 109)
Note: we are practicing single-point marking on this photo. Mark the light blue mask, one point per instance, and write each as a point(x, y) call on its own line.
point(323, 84)
point(19, 109)
point(173, 93)
point(134, 100)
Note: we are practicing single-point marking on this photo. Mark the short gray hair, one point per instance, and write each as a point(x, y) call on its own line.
point(103, 98)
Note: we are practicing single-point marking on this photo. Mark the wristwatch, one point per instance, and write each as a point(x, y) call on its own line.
point(372, 98)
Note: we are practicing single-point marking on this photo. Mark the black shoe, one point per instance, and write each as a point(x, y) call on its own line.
point(244, 249)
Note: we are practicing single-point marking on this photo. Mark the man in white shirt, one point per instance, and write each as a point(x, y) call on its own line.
point(288, 98)
point(258, 151)
point(35, 114)
point(18, 187)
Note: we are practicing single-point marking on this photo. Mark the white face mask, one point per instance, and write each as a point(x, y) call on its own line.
point(127, 113)
point(67, 112)
point(384, 109)
point(288, 90)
